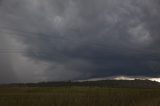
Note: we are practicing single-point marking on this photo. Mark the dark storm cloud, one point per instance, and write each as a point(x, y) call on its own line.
point(85, 39)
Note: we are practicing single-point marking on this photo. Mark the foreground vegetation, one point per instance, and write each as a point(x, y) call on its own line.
point(78, 96)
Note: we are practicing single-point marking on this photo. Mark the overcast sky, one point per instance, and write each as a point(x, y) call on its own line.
point(44, 40)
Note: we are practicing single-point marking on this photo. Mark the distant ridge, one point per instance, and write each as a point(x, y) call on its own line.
point(124, 78)
point(100, 83)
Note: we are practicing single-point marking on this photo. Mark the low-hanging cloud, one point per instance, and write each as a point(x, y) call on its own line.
point(85, 39)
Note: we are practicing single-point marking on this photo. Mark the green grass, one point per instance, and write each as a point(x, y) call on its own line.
point(77, 96)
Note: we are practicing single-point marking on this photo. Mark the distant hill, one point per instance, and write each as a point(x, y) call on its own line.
point(101, 83)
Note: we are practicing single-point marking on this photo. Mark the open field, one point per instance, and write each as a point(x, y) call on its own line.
point(78, 96)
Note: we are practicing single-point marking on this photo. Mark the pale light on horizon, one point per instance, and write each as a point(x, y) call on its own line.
point(155, 79)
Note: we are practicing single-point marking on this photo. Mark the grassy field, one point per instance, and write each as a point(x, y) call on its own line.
point(79, 96)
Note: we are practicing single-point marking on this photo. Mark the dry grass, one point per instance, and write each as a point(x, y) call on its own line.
point(76, 96)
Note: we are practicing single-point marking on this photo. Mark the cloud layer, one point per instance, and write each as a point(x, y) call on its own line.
point(75, 39)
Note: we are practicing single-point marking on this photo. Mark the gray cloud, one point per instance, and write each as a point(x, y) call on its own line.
point(86, 39)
